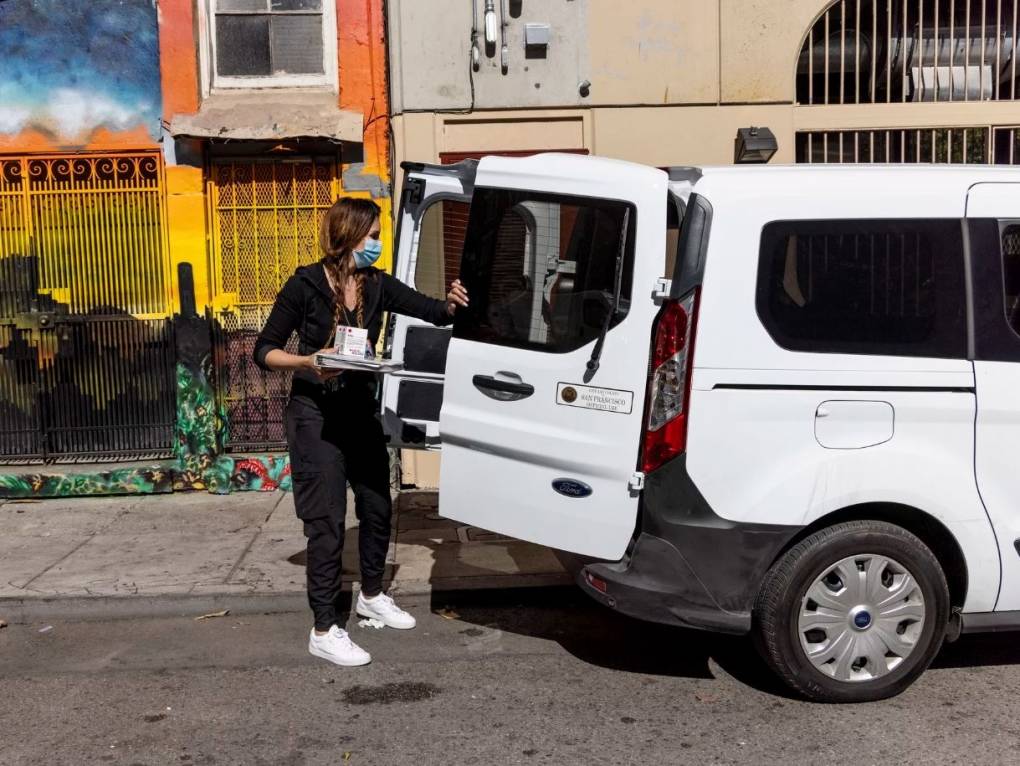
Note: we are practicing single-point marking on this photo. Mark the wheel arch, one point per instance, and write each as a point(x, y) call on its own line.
point(929, 529)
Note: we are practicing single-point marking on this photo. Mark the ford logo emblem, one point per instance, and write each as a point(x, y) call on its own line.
point(571, 488)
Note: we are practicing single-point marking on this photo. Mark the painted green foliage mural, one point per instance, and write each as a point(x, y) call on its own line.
point(200, 432)
point(199, 464)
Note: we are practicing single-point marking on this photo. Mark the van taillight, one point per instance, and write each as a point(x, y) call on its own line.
point(669, 384)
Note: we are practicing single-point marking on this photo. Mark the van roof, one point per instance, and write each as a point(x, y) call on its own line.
point(871, 167)
point(948, 178)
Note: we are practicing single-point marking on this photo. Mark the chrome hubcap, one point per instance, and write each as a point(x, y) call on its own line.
point(861, 618)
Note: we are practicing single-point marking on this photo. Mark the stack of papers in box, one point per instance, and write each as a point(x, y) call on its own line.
point(348, 362)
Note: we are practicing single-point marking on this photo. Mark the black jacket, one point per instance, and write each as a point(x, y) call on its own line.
point(305, 305)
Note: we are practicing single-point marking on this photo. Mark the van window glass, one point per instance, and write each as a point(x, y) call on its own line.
point(892, 287)
point(440, 242)
point(541, 269)
point(1011, 274)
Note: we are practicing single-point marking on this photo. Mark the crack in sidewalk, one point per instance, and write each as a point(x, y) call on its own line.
point(247, 548)
point(62, 559)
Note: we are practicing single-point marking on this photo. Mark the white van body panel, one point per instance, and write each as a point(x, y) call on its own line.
point(998, 418)
point(751, 397)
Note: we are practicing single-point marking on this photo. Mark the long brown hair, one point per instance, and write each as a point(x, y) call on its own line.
point(345, 224)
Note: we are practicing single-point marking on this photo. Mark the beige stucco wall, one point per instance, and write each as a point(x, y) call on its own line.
point(759, 44)
point(671, 83)
point(653, 52)
point(640, 52)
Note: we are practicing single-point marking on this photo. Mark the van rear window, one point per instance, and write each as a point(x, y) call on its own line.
point(545, 272)
point(890, 287)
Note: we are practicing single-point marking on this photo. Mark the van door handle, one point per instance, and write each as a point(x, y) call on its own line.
point(503, 389)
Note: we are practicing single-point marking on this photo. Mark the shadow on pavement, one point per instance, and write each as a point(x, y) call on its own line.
point(601, 637)
point(607, 639)
point(975, 650)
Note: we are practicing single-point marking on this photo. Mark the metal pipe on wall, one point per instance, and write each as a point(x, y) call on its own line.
point(490, 22)
point(476, 54)
point(504, 54)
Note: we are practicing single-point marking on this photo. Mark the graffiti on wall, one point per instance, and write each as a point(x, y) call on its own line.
point(78, 73)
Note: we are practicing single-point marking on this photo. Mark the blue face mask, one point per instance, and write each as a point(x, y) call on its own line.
point(365, 258)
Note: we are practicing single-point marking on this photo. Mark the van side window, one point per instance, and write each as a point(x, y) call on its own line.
point(1011, 274)
point(891, 287)
point(544, 269)
point(440, 241)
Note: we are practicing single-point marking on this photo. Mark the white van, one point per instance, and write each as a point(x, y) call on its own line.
point(773, 400)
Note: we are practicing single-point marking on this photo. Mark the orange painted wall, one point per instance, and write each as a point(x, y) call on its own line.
point(178, 57)
point(103, 139)
point(361, 47)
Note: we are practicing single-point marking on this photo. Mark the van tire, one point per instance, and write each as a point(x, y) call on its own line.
point(778, 607)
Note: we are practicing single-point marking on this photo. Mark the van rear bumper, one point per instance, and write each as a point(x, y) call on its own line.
point(656, 583)
point(686, 565)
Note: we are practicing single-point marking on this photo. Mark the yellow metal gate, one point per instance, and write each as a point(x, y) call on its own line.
point(86, 345)
point(266, 215)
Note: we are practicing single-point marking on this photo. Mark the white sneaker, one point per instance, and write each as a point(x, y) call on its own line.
point(337, 647)
point(383, 608)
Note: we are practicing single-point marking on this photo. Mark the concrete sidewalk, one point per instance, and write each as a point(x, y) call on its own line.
point(191, 553)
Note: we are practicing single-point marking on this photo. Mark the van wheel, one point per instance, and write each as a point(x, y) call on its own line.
point(853, 613)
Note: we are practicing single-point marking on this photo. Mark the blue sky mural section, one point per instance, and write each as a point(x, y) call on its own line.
point(69, 67)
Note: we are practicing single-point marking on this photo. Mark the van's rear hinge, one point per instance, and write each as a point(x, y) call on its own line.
point(637, 481)
point(662, 289)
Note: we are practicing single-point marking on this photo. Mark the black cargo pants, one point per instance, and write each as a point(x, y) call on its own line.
point(333, 440)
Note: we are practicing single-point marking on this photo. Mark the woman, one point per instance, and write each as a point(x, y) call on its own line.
point(332, 432)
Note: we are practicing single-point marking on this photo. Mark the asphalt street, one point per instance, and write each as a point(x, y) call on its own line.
point(526, 677)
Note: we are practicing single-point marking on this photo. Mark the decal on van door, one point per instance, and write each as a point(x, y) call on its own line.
point(594, 398)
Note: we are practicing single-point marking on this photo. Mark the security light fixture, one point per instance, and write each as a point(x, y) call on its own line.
point(754, 145)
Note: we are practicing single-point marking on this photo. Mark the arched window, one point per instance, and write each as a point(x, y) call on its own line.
point(889, 51)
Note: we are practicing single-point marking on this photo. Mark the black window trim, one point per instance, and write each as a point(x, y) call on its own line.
point(695, 235)
point(995, 340)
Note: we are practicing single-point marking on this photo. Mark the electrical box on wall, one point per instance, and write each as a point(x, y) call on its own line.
point(536, 35)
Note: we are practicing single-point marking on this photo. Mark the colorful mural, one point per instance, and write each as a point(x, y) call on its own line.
point(118, 481)
point(78, 73)
point(104, 354)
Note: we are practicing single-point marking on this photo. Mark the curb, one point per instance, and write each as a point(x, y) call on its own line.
point(18, 611)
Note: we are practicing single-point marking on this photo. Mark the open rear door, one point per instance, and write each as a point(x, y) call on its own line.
point(430, 236)
point(543, 410)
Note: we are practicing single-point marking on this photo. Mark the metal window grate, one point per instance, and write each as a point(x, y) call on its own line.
point(266, 217)
point(909, 145)
point(86, 342)
point(871, 52)
point(269, 37)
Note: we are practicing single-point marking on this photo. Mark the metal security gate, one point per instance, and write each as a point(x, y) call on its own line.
point(999, 145)
point(266, 215)
point(86, 341)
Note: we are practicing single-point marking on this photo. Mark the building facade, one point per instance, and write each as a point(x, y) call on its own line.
point(163, 169)
point(671, 83)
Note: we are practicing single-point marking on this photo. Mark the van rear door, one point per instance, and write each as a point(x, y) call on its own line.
point(430, 233)
point(543, 411)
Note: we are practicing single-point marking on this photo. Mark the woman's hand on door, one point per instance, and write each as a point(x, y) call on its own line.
point(457, 296)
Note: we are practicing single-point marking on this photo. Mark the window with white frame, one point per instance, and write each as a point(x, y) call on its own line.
point(266, 43)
